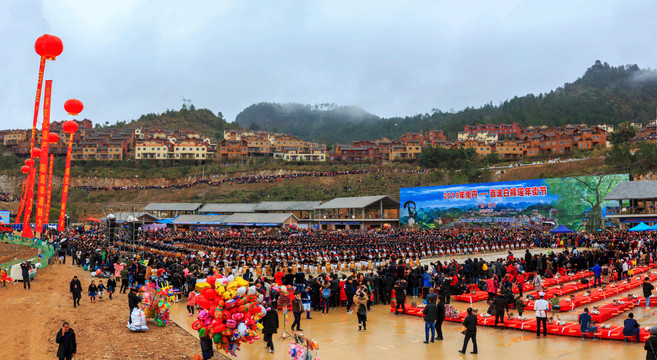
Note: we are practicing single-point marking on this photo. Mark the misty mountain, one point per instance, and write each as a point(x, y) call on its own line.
point(603, 95)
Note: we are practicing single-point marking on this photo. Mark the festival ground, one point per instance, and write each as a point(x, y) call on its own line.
point(31, 319)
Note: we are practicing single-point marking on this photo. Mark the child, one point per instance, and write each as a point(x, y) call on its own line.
point(305, 302)
point(111, 286)
point(520, 305)
point(101, 288)
point(92, 291)
point(191, 302)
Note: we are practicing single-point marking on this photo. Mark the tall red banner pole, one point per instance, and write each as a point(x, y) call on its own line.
point(42, 67)
point(22, 203)
point(67, 175)
point(46, 217)
point(43, 162)
point(27, 231)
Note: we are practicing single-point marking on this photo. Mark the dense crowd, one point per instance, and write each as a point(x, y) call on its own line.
point(6, 197)
point(252, 179)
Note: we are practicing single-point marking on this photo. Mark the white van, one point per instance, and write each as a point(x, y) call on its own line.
point(16, 272)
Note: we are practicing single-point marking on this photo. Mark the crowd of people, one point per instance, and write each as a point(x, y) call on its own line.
point(310, 264)
point(249, 179)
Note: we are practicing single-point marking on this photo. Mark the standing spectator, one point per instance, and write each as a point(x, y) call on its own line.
point(191, 302)
point(68, 347)
point(207, 350)
point(500, 305)
point(439, 319)
point(269, 326)
point(400, 297)
point(470, 324)
point(92, 291)
point(76, 290)
point(296, 311)
point(326, 296)
point(538, 283)
point(111, 287)
point(651, 344)
point(306, 302)
point(555, 306)
point(520, 305)
point(118, 267)
point(360, 299)
point(125, 275)
point(597, 273)
point(430, 316)
point(541, 306)
point(647, 290)
point(25, 271)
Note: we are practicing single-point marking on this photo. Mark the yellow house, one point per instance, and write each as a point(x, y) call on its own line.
point(15, 136)
point(152, 149)
point(190, 150)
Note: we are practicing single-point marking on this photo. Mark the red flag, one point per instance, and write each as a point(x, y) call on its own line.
point(67, 175)
point(43, 162)
point(46, 216)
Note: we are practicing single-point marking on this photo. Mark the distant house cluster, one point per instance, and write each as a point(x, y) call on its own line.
point(239, 145)
point(409, 146)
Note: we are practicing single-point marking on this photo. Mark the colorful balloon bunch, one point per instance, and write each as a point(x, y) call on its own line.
point(230, 312)
point(155, 303)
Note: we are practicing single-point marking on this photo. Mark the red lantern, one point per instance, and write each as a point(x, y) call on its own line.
point(29, 162)
point(48, 46)
point(25, 169)
point(53, 138)
point(36, 152)
point(70, 126)
point(73, 106)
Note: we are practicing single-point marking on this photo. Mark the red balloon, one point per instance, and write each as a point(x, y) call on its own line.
point(73, 106)
point(49, 46)
point(25, 169)
point(36, 152)
point(53, 138)
point(29, 162)
point(70, 126)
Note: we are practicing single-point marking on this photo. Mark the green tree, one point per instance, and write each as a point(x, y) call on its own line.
point(622, 134)
point(619, 157)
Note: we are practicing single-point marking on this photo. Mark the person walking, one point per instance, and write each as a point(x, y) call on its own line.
point(101, 289)
point(430, 316)
point(296, 311)
point(541, 306)
point(360, 300)
point(470, 332)
point(269, 326)
point(76, 290)
point(68, 346)
point(25, 271)
point(125, 275)
point(111, 287)
point(92, 291)
point(191, 302)
point(647, 290)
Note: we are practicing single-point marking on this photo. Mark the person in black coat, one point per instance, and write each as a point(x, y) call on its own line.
point(430, 315)
point(470, 324)
point(133, 302)
point(206, 347)
point(651, 345)
point(25, 271)
point(269, 326)
point(500, 306)
point(439, 319)
point(400, 296)
point(76, 290)
point(68, 346)
point(388, 285)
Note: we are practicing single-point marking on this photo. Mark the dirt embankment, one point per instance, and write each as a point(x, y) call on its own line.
point(562, 169)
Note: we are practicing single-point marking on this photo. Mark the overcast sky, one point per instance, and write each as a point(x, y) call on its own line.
point(392, 58)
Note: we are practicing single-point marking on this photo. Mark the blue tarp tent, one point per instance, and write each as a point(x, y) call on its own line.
point(562, 229)
point(165, 221)
point(641, 227)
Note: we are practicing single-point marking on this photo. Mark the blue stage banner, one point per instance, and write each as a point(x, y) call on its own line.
point(527, 203)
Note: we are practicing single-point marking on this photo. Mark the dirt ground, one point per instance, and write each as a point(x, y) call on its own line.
point(10, 252)
point(31, 319)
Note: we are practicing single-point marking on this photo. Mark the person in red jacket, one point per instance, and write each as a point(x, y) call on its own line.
point(278, 277)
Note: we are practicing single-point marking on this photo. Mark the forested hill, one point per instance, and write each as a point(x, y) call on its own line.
point(603, 95)
point(202, 121)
